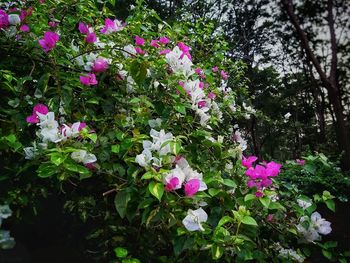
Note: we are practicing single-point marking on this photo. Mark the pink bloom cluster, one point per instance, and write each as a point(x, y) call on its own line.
point(259, 176)
point(39, 108)
point(88, 31)
point(49, 40)
point(162, 41)
point(112, 26)
point(13, 19)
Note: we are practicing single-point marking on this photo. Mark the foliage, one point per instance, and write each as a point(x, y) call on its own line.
point(144, 145)
point(317, 173)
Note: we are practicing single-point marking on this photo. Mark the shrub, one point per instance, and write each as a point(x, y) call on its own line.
point(135, 128)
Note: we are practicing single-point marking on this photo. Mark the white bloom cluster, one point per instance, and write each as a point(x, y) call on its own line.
point(289, 253)
point(177, 64)
point(249, 110)
point(198, 96)
point(159, 144)
point(6, 241)
point(304, 204)
point(83, 156)
point(318, 225)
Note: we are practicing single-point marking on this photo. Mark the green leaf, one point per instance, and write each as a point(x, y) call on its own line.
point(72, 166)
point(265, 201)
point(120, 252)
point(248, 220)
point(224, 220)
point(138, 71)
point(115, 148)
point(330, 204)
point(57, 158)
point(249, 197)
point(121, 201)
point(147, 176)
point(213, 191)
point(180, 108)
point(230, 183)
point(156, 189)
point(217, 252)
point(92, 137)
point(327, 254)
point(46, 170)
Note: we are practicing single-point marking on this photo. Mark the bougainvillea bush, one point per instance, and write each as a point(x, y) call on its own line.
point(135, 123)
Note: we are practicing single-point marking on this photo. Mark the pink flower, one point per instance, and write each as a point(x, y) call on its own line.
point(211, 95)
point(52, 24)
point(112, 26)
point(224, 75)
point(39, 108)
point(201, 104)
point(41, 1)
point(83, 28)
point(100, 65)
point(139, 51)
point(91, 166)
point(269, 217)
point(164, 51)
point(154, 43)
point(192, 187)
point(198, 71)
point(4, 19)
point(172, 184)
point(259, 194)
point(24, 28)
point(164, 40)
point(91, 38)
point(139, 41)
point(88, 80)
point(82, 126)
point(248, 162)
point(201, 85)
point(185, 50)
point(49, 41)
point(273, 168)
point(183, 47)
point(300, 162)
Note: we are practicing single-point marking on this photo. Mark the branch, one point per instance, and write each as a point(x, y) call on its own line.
point(288, 5)
point(334, 60)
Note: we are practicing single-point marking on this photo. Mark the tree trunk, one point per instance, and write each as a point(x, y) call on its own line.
point(331, 83)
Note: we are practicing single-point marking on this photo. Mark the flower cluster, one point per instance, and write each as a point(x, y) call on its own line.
point(260, 175)
point(184, 175)
point(311, 228)
point(51, 131)
point(159, 145)
point(6, 241)
point(14, 20)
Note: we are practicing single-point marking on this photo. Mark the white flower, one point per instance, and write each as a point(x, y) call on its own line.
point(130, 84)
point(129, 49)
point(318, 225)
point(14, 19)
point(194, 218)
point(144, 158)
point(83, 156)
point(238, 138)
point(321, 225)
point(155, 123)
point(287, 115)
point(30, 152)
point(160, 140)
point(178, 65)
point(304, 204)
